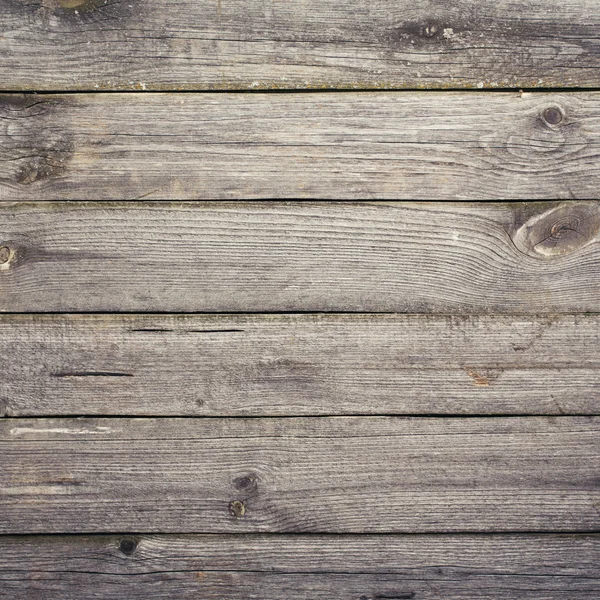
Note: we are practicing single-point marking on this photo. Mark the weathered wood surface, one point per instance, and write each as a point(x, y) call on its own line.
point(261, 365)
point(453, 567)
point(325, 474)
point(262, 257)
point(293, 586)
point(377, 145)
point(240, 44)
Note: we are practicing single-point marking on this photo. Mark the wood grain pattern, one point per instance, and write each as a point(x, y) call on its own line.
point(336, 474)
point(265, 365)
point(453, 567)
point(377, 145)
point(213, 44)
point(251, 257)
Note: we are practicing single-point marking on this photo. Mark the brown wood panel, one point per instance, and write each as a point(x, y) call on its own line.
point(320, 474)
point(263, 257)
point(273, 567)
point(376, 145)
point(257, 44)
point(235, 365)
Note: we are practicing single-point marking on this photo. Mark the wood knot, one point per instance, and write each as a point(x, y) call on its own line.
point(237, 508)
point(128, 546)
point(15, 252)
point(558, 231)
point(552, 115)
point(11, 254)
point(5, 255)
point(430, 30)
point(419, 33)
point(247, 483)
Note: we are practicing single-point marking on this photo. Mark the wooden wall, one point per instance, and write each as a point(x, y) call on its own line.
point(299, 300)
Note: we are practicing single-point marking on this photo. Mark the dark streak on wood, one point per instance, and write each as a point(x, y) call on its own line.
point(67, 374)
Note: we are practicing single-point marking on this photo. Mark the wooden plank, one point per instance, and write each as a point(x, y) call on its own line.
point(453, 567)
point(378, 145)
point(328, 474)
point(261, 365)
point(251, 257)
point(241, 44)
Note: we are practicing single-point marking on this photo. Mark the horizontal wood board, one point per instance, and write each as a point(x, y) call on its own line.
point(454, 567)
point(265, 365)
point(320, 474)
point(263, 257)
point(375, 145)
point(260, 44)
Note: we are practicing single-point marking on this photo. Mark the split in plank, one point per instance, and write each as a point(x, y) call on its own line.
point(266, 365)
point(376, 145)
point(454, 567)
point(320, 474)
point(257, 44)
point(333, 257)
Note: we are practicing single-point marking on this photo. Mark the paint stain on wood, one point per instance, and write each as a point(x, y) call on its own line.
point(482, 377)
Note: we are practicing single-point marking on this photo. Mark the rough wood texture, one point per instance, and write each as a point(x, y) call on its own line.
point(298, 365)
point(241, 44)
point(336, 474)
point(454, 567)
point(376, 145)
point(250, 257)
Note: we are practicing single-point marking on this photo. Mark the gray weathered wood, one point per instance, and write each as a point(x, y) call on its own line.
point(327, 474)
point(253, 44)
point(454, 567)
point(261, 257)
point(378, 145)
point(292, 586)
point(232, 365)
